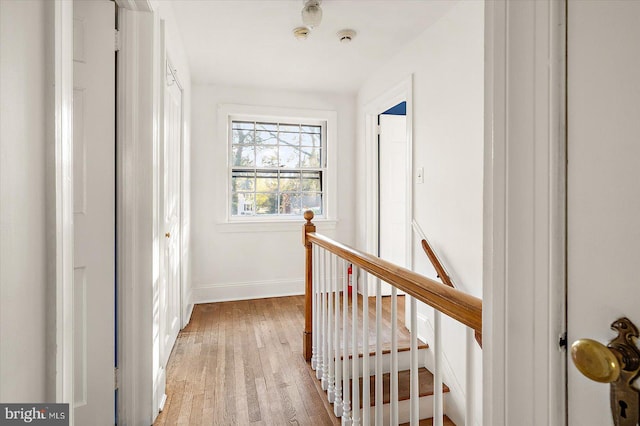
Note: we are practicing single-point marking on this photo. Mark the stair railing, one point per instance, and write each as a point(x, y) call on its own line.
point(334, 337)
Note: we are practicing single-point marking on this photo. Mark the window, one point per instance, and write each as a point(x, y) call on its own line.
point(277, 168)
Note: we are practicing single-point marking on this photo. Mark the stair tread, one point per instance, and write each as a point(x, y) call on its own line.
point(429, 422)
point(425, 380)
point(386, 349)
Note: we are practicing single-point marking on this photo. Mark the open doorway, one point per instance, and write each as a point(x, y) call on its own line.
point(392, 186)
point(389, 171)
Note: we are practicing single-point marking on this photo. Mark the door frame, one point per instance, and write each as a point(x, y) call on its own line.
point(138, 249)
point(524, 367)
point(63, 140)
point(400, 92)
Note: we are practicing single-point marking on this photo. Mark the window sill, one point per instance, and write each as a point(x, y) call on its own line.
point(274, 225)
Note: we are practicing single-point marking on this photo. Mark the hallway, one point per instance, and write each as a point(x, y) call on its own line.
point(240, 363)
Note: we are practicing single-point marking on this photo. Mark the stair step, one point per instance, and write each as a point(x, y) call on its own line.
point(429, 422)
point(386, 349)
point(425, 380)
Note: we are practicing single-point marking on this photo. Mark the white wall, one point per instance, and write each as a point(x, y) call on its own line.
point(228, 263)
point(26, 76)
point(447, 63)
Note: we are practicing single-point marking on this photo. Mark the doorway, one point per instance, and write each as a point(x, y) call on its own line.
point(388, 171)
point(392, 186)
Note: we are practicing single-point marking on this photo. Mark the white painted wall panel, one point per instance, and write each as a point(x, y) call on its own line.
point(255, 262)
point(25, 71)
point(447, 62)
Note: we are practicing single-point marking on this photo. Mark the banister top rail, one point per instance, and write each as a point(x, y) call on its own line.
point(457, 304)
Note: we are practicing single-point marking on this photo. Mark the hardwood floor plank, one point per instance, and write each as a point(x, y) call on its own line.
point(241, 363)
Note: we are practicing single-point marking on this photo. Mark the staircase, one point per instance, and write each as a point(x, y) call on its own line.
point(384, 383)
point(425, 377)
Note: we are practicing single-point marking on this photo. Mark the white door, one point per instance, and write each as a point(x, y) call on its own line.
point(603, 119)
point(170, 301)
point(94, 212)
point(392, 218)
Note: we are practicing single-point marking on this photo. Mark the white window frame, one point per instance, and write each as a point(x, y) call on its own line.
point(233, 112)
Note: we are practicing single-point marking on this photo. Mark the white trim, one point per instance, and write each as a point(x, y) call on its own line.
point(135, 5)
point(402, 91)
point(285, 225)
point(247, 290)
point(524, 213)
point(63, 106)
point(137, 132)
point(330, 118)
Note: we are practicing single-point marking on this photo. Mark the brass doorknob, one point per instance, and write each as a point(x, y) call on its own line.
point(168, 235)
point(595, 360)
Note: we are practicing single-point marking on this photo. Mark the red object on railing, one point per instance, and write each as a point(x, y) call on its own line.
point(350, 277)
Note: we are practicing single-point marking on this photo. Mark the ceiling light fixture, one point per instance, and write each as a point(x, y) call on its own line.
point(312, 13)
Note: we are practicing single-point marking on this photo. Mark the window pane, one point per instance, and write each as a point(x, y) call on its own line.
point(267, 156)
point(242, 181)
point(276, 168)
point(266, 203)
point(288, 139)
point(311, 129)
point(311, 201)
point(271, 127)
point(309, 140)
point(311, 182)
point(310, 157)
point(290, 204)
point(242, 204)
point(267, 181)
point(289, 181)
point(247, 125)
point(295, 128)
point(242, 156)
point(242, 136)
point(266, 138)
point(289, 157)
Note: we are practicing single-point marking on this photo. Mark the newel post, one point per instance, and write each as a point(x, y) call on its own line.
point(308, 285)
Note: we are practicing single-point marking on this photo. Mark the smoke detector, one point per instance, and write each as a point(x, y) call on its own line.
point(301, 33)
point(345, 36)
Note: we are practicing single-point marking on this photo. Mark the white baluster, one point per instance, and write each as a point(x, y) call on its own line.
point(393, 415)
point(314, 309)
point(415, 407)
point(469, 380)
point(337, 400)
point(366, 397)
point(379, 376)
point(325, 342)
point(346, 400)
point(437, 370)
point(355, 360)
point(331, 384)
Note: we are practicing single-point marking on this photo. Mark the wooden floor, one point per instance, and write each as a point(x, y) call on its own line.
point(240, 363)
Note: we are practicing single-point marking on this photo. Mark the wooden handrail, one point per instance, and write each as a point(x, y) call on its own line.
point(457, 304)
point(443, 275)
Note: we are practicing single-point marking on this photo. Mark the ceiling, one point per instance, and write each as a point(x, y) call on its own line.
point(250, 42)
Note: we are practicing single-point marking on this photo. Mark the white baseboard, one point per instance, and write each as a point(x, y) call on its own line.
point(189, 309)
point(247, 290)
